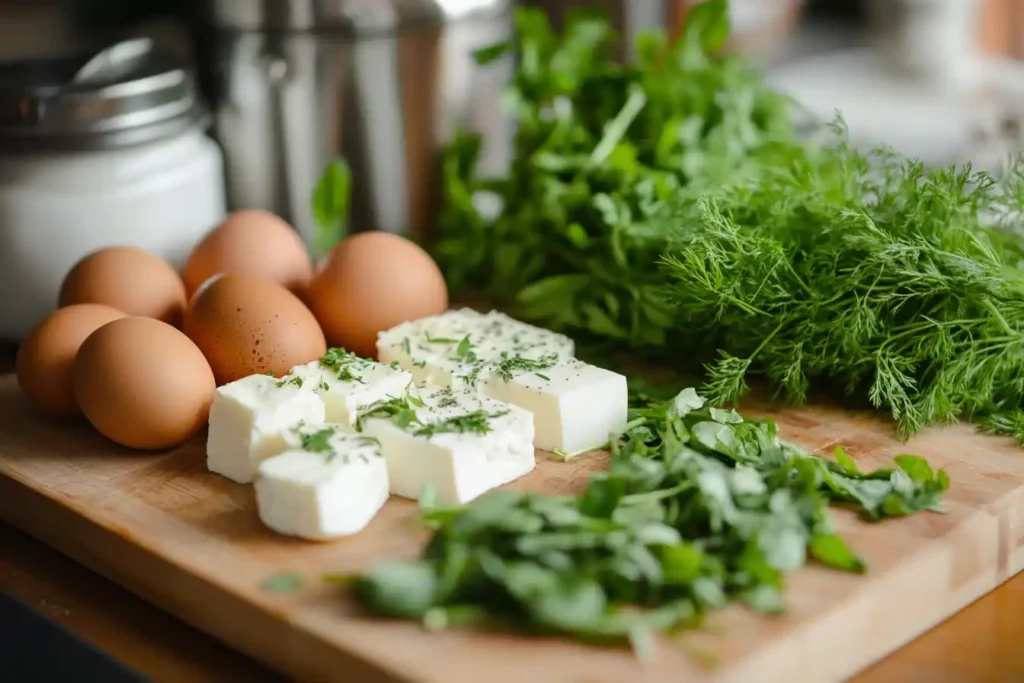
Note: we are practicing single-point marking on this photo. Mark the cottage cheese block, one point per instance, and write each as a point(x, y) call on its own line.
point(345, 382)
point(575, 406)
point(248, 421)
point(441, 449)
point(329, 483)
point(452, 348)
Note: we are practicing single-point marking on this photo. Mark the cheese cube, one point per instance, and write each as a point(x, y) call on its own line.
point(451, 348)
point(575, 406)
point(248, 421)
point(345, 382)
point(329, 483)
point(461, 444)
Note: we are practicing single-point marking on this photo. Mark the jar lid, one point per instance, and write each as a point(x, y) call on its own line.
point(346, 18)
point(126, 94)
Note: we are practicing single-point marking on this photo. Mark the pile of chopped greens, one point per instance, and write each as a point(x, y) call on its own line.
point(668, 208)
point(699, 507)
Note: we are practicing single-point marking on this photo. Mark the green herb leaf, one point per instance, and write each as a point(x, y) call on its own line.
point(331, 198)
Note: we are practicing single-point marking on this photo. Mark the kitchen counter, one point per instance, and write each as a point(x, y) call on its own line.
point(981, 644)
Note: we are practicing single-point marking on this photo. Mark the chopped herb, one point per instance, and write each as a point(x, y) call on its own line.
point(419, 363)
point(270, 373)
point(543, 376)
point(323, 385)
point(394, 365)
point(464, 352)
point(440, 340)
point(475, 422)
point(400, 410)
point(510, 366)
point(406, 347)
point(283, 583)
point(290, 379)
point(698, 508)
point(319, 442)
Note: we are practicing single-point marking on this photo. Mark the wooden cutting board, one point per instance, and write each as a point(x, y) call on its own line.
point(190, 541)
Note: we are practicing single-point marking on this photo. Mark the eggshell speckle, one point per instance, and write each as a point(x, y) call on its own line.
point(371, 282)
point(245, 325)
point(251, 242)
point(129, 279)
point(46, 357)
point(143, 384)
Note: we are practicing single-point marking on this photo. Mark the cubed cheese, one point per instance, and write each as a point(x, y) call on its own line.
point(345, 382)
point(575, 406)
point(460, 444)
point(248, 421)
point(453, 347)
point(329, 483)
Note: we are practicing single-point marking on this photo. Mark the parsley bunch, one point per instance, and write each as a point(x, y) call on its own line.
point(699, 507)
point(668, 209)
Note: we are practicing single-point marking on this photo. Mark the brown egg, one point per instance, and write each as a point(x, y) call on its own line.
point(46, 357)
point(129, 279)
point(246, 326)
point(143, 384)
point(251, 242)
point(371, 282)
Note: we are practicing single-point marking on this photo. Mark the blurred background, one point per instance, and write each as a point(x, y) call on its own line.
point(285, 86)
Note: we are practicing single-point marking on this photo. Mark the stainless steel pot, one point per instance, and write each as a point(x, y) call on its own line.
point(382, 83)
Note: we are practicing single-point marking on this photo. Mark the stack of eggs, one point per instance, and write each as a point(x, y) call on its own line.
point(139, 349)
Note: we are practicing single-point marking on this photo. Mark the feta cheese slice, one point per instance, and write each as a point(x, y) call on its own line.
point(575, 406)
point(459, 443)
point(345, 382)
point(449, 348)
point(329, 483)
point(248, 421)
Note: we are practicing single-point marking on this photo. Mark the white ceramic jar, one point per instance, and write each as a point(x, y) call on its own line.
point(119, 160)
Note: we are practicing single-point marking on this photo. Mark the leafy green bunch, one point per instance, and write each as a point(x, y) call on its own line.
point(863, 274)
point(667, 209)
point(699, 507)
point(602, 151)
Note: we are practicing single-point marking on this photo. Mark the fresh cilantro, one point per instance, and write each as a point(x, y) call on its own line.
point(294, 380)
point(699, 507)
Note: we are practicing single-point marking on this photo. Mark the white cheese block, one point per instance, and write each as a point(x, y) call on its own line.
point(430, 441)
point(446, 349)
point(330, 483)
point(345, 382)
point(575, 406)
point(248, 421)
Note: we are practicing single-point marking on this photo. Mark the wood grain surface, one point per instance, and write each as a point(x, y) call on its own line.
point(190, 542)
